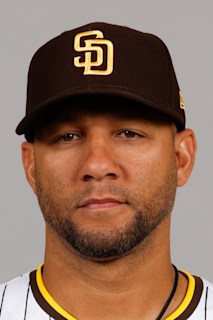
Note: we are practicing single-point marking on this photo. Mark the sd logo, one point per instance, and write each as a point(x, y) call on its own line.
point(94, 45)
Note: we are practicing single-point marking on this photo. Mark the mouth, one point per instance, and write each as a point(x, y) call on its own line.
point(103, 203)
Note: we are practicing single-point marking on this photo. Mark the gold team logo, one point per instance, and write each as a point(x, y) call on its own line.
point(94, 46)
point(182, 105)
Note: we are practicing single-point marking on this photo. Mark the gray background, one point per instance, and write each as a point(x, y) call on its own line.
point(186, 27)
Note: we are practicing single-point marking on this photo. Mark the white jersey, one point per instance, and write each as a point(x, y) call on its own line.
point(26, 298)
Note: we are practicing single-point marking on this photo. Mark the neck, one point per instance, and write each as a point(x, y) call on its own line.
point(98, 289)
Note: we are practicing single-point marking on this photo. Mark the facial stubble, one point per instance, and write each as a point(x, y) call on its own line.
point(149, 213)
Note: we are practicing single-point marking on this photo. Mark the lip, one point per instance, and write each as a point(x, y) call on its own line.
point(101, 203)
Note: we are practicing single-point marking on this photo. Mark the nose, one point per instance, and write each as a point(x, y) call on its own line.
point(99, 161)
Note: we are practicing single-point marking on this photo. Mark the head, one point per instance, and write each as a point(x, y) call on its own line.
point(104, 158)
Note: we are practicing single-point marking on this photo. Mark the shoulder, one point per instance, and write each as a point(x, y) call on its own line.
point(17, 284)
point(14, 296)
point(205, 305)
point(208, 290)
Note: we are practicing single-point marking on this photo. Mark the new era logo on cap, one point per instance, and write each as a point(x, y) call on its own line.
point(94, 46)
point(182, 105)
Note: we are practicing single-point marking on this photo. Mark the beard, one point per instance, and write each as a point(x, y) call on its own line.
point(149, 210)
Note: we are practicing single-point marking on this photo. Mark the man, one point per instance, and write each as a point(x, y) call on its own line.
point(106, 147)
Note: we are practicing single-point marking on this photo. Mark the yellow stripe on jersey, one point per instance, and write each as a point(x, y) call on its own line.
point(187, 299)
point(183, 306)
point(48, 297)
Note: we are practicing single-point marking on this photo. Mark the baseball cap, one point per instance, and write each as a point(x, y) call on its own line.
point(101, 58)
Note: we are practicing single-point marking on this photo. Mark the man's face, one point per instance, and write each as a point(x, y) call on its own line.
point(105, 180)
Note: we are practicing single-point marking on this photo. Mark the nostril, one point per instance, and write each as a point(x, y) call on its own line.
point(88, 177)
point(113, 175)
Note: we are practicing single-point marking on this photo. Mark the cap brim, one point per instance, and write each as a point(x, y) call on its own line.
point(29, 121)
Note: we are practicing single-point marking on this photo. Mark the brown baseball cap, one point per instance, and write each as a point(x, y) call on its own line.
point(101, 58)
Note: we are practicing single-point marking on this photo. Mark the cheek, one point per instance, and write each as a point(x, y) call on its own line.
point(55, 172)
point(150, 168)
point(144, 163)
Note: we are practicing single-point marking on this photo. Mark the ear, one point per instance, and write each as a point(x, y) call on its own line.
point(185, 149)
point(28, 159)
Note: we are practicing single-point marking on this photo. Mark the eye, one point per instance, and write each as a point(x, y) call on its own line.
point(130, 134)
point(67, 137)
